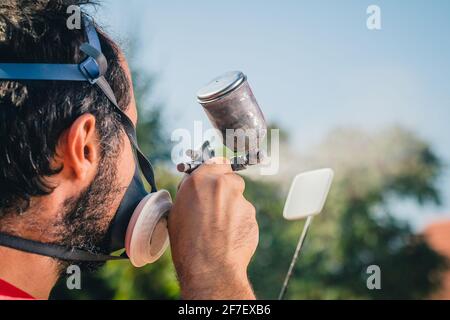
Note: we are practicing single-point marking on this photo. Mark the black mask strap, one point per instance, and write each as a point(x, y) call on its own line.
point(93, 50)
point(53, 250)
point(144, 163)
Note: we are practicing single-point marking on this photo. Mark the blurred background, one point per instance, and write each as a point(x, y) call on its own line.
point(374, 105)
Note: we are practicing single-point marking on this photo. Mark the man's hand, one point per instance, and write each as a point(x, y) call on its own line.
point(213, 234)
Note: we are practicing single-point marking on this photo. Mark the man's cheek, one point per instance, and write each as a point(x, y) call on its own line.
point(125, 171)
point(126, 165)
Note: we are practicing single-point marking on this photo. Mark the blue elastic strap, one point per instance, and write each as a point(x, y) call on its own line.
point(91, 34)
point(34, 71)
point(88, 70)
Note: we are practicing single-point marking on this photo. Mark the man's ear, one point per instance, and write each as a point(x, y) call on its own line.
point(81, 148)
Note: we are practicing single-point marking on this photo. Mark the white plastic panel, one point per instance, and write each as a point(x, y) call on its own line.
point(308, 194)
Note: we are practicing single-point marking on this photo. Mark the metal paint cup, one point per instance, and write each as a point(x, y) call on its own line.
point(232, 108)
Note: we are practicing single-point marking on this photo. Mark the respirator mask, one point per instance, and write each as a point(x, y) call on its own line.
point(140, 223)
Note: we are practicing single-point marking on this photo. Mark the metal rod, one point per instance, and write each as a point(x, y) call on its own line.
point(295, 257)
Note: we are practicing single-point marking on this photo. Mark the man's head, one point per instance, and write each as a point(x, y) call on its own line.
point(64, 160)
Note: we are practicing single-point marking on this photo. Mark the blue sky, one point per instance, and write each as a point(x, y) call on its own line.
point(313, 65)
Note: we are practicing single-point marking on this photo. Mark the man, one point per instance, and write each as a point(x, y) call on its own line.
point(65, 164)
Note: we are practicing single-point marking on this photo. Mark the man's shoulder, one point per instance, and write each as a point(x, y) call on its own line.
point(3, 298)
point(10, 292)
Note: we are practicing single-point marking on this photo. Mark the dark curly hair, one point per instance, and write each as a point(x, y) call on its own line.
point(34, 114)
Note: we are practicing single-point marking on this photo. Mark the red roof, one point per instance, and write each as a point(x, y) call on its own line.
point(438, 237)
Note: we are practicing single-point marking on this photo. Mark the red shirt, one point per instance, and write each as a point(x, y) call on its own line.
point(10, 292)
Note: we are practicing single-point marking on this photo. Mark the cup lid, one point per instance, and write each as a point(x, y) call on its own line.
point(220, 86)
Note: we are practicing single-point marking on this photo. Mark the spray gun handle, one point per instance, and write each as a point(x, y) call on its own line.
point(237, 164)
point(199, 157)
point(189, 167)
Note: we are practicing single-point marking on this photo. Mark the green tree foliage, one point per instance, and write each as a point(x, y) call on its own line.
point(358, 227)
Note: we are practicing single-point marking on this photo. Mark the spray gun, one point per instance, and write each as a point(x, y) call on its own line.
point(233, 110)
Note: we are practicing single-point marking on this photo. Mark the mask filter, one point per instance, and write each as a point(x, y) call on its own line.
point(140, 223)
point(147, 237)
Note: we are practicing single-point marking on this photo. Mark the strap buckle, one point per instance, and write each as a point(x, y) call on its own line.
point(90, 69)
point(95, 65)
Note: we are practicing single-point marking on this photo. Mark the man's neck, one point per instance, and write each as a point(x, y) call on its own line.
point(34, 274)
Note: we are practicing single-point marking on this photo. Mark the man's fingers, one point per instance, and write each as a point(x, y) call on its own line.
point(185, 177)
point(215, 165)
point(236, 182)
